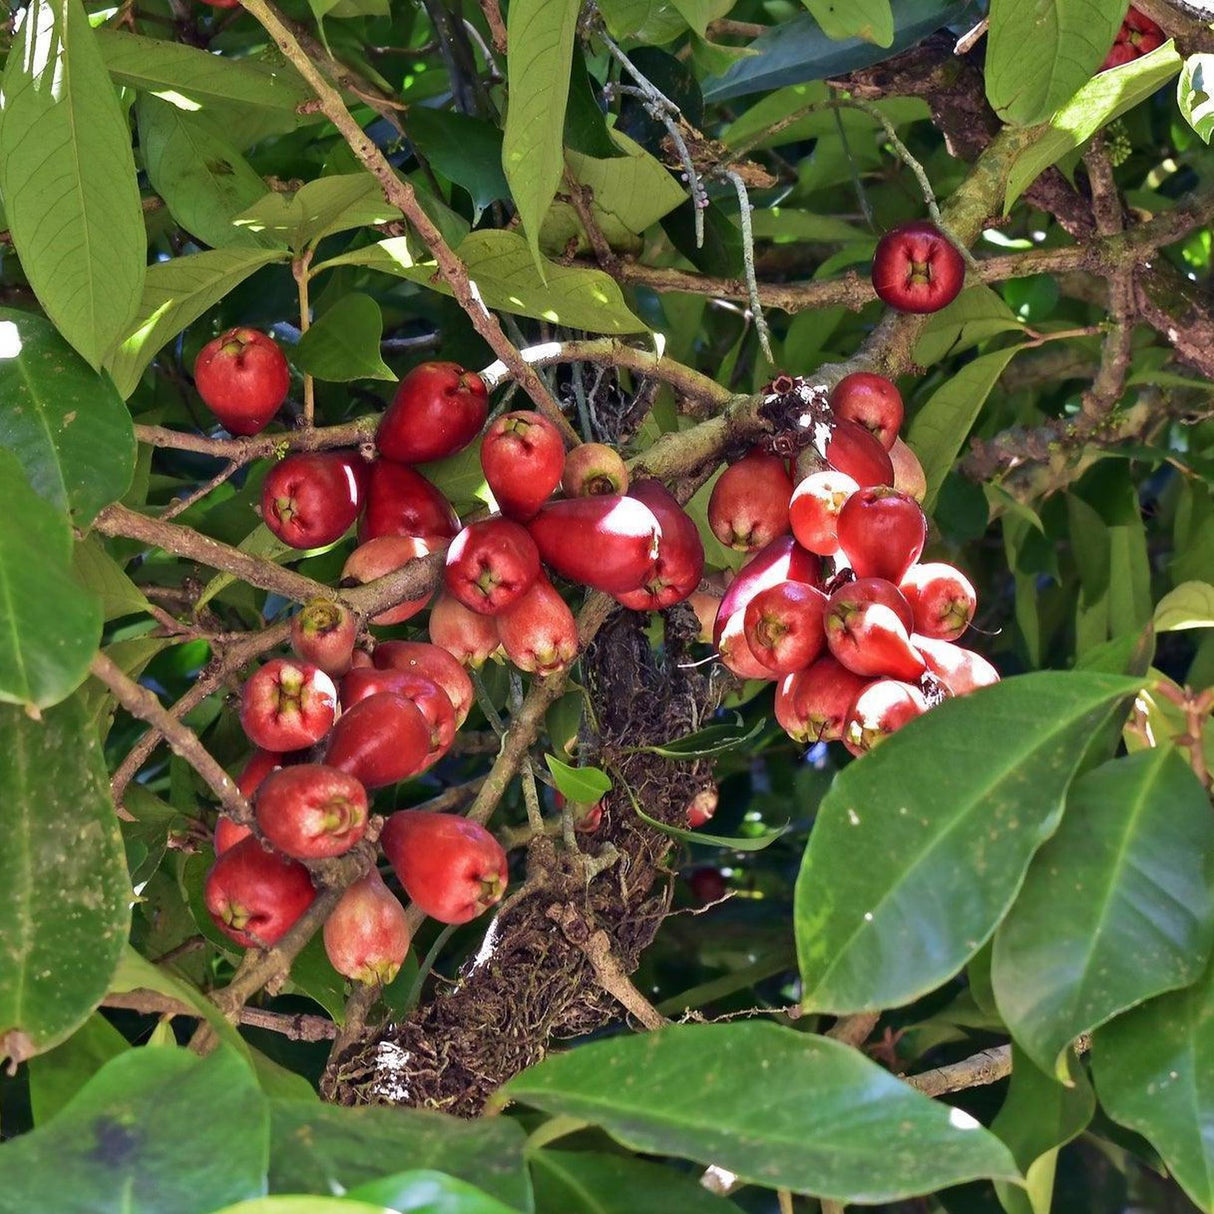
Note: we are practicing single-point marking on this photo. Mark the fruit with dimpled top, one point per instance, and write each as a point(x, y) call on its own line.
point(255, 896)
point(467, 636)
point(680, 562)
point(400, 501)
point(437, 410)
point(382, 739)
point(609, 542)
point(882, 708)
point(868, 636)
point(287, 705)
point(522, 458)
point(243, 378)
point(367, 934)
point(311, 812)
point(418, 657)
point(871, 401)
point(425, 693)
point(592, 469)
point(310, 499)
point(538, 631)
point(916, 268)
point(748, 507)
point(942, 600)
point(812, 704)
point(814, 510)
point(323, 633)
point(490, 564)
point(882, 532)
point(383, 555)
point(783, 626)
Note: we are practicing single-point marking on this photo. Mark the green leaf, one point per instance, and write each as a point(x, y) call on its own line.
point(538, 62)
point(581, 785)
point(1070, 39)
point(343, 343)
point(870, 20)
point(67, 176)
point(581, 1182)
point(586, 129)
point(317, 1148)
point(740, 843)
point(66, 905)
point(941, 426)
point(94, 568)
point(204, 180)
point(1115, 908)
point(501, 265)
point(976, 314)
point(899, 825)
point(466, 150)
point(1189, 605)
point(460, 478)
point(649, 21)
point(1154, 1072)
point(303, 1205)
point(154, 1130)
point(61, 419)
point(1105, 97)
point(56, 1076)
point(147, 838)
point(176, 294)
point(44, 652)
point(319, 208)
point(425, 1191)
point(711, 740)
point(1195, 94)
point(822, 1120)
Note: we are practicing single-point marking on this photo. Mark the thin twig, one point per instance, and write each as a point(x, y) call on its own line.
point(296, 1026)
point(182, 504)
point(748, 261)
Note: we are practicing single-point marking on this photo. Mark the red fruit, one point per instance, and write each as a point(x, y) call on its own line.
point(522, 457)
point(438, 409)
point(702, 806)
point(311, 812)
point(705, 604)
point(491, 564)
point(538, 631)
point(734, 651)
point(400, 501)
point(367, 935)
point(609, 542)
point(707, 885)
point(451, 868)
point(852, 450)
point(386, 554)
point(880, 709)
point(255, 896)
point(228, 833)
point(814, 510)
point(310, 499)
point(909, 477)
point(323, 633)
point(435, 663)
point(587, 817)
point(868, 636)
point(680, 563)
point(1138, 36)
point(916, 268)
point(425, 693)
point(260, 763)
point(783, 560)
point(960, 670)
point(467, 635)
point(1120, 53)
point(287, 705)
point(942, 600)
point(871, 401)
point(381, 740)
point(243, 378)
point(882, 532)
point(783, 626)
point(749, 503)
point(812, 704)
point(593, 469)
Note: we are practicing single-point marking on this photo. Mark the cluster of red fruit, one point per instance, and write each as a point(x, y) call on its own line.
point(1138, 36)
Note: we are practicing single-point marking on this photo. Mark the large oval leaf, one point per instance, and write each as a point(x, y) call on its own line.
point(778, 1108)
point(66, 904)
point(1116, 907)
point(920, 846)
point(67, 175)
point(61, 419)
point(425, 1191)
point(590, 1183)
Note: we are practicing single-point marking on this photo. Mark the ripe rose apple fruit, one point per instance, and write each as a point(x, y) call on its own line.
point(323, 633)
point(490, 564)
point(400, 501)
point(814, 510)
point(916, 268)
point(367, 935)
point(386, 554)
point(255, 896)
point(871, 401)
point(287, 705)
point(868, 636)
point(609, 542)
point(522, 458)
point(783, 626)
point(680, 563)
point(882, 708)
point(942, 600)
point(434, 662)
point(852, 450)
point(812, 704)
point(310, 499)
point(882, 532)
point(960, 670)
point(433, 702)
point(592, 469)
point(438, 409)
point(909, 477)
point(702, 806)
point(468, 636)
point(381, 740)
point(587, 816)
point(1138, 36)
point(748, 506)
point(311, 812)
point(243, 379)
point(259, 765)
point(538, 631)
point(451, 868)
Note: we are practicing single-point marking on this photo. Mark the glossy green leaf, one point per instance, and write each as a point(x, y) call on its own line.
point(735, 843)
point(343, 343)
point(460, 478)
point(50, 625)
point(177, 293)
point(1070, 39)
point(868, 20)
point(581, 785)
point(1189, 605)
point(465, 149)
point(975, 315)
point(61, 419)
point(147, 837)
point(939, 429)
point(426, 1192)
point(899, 825)
point(1195, 94)
point(56, 1076)
point(1154, 1072)
point(820, 1119)
point(500, 264)
point(316, 1148)
point(1115, 908)
point(538, 57)
point(155, 1130)
point(304, 1205)
point(319, 208)
point(67, 176)
point(649, 21)
point(711, 740)
point(582, 1182)
point(66, 906)
point(95, 569)
point(586, 129)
